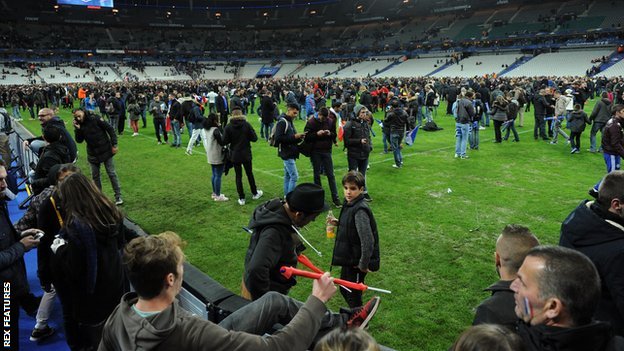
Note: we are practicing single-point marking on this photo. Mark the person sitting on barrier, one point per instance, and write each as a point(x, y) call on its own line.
point(54, 153)
point(47, 117)
point(151, 318)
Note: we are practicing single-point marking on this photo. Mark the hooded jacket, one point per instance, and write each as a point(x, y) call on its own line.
point(176, 329)
point(239, 134)
point(599, 234)
point(601, 112)
point(577, 122)
point(273, 244)
point(596, 336)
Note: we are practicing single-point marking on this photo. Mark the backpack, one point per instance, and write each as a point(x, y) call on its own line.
point(272, 140)
point(431, 126)
point(109, 107)
point(512, 110)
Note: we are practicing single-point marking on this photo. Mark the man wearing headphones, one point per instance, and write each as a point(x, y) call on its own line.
point(596, 228)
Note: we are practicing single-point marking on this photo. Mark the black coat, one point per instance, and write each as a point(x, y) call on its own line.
point(596, 336)
point(541, 106)
point(321, 143)
point(53, 154)
point(498, 308)
point(222, 108)
point(285, 136)
point(577, 122)
point(354, 131)
point(586, 229)
point(99, 136)
point(175, 111)
point(12, 268)
point(267, 107)
point(239, 134)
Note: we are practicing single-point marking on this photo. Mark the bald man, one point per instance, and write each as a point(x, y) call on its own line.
point(512, 247)
point(48, 117)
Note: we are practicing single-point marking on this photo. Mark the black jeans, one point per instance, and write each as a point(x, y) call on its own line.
point(239, 178)
point(497, 131)
point(360, 166)
point(352, 274)
point(160, 126)
point(324, 160)
point(575, 140)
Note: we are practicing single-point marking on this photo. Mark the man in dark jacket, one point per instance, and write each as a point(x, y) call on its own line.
point(597, 230)
point(274, 242)
point(47, 117)
point(288, 140)
point(357, 141)
point(599, 117)
point(396, 123)
point(612, 144)
point(541, 105)
point(465, 115)
point(114, 109)
point(223, 109)
point(267, 108)
point(52, 154)
point(556, 294)
point(12, 267)
point(101, 147)
point(239, 134)
point(321, 134)
point(177, 119)
point(511, 249)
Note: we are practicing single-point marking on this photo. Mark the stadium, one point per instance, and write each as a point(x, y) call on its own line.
point(439, 209)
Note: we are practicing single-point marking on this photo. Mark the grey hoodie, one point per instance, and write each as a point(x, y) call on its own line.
point(176, 329)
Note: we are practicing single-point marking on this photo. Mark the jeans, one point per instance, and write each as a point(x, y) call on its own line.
point(428, 114)
point(395, 140)
point(272, 308)
point(45, 308)
point(558, 130)
point(160, 126)
point(113, 119)
point(597, 126)
point(473, 137)
point(109, 165)
point(324, 160)
point(511, 128)
point(290, 175)
point(419, 115)
point(16, 112)
point(217, 173)
point(539, 127)
point(360, 166)
point(144, 117)
point(175, 126)
point(197, 133)
point(239, 178)
point(265, 130)
point(462, 130)
point(190, 127)
point(385, 138)
point(613, 163)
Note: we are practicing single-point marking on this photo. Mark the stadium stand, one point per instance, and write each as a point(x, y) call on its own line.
point(414, 67)
point(250, 70)
point(568, 63)
point(318, 70)
point(478, 66)
point(365, 68)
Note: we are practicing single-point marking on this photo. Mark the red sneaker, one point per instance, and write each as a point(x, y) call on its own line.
point(363, 315)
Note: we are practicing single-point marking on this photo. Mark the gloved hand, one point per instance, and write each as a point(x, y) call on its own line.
point(58, 242)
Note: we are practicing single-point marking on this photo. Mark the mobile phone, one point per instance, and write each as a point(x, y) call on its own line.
point(38, 236)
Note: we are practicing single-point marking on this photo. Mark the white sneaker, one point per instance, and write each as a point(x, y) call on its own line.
point(481, 128)
point(258, 195)
point(188, 153)
point(456, 155)
point(135, 134)
point(222, 197)
point(241, 202)
point(213, 195)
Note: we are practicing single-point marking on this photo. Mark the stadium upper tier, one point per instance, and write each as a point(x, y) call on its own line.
point(178, 35)
point(565, 63)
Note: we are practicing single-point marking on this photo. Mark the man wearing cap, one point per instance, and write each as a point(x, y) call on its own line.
point(274, 242)
point(357, 141)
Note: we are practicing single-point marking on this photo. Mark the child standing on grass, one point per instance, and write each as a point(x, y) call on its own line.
point(577, 122)
point(357, 243)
